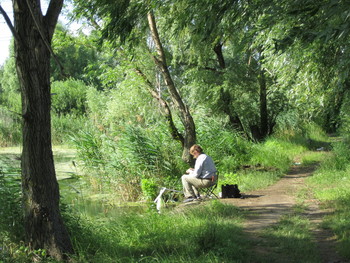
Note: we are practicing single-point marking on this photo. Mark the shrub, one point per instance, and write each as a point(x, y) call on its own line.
point(149, 188)
point(227, 147)
point(69, 97)
point(341, 156)
point(229, 178)
point(271, 154)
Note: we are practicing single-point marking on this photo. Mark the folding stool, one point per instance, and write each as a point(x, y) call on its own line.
point(209, 191)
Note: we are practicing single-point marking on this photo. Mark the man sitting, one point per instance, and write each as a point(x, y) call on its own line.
point(203, 175)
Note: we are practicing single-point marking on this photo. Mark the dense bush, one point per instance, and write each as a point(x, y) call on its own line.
point(68, 109)
point(68, 97)
point(344, 116)
point(228, 148)
point(10, 96)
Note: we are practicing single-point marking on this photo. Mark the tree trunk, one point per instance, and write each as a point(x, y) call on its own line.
point(185, 115)
point(43, 223)
point(175, 134)
point(226, 100)
point(264, 125)
point(218, 51)
point(225, 106)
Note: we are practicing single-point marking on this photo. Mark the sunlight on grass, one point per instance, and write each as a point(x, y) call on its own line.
point(204, 233)
point(269, 162)
point(275, 153)
point(255, 180)
point(331, 185)
point(313, 158)
point(290, 240)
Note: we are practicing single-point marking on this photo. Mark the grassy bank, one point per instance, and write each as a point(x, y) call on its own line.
point(208, 233)
point(211, 232)
point(331, 185)
point(291, 239)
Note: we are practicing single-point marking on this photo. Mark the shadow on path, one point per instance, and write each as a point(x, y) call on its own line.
point(265, 207)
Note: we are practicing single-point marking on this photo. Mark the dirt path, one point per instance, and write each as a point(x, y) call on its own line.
point(266, 206)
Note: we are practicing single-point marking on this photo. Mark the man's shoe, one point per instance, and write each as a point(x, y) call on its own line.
point(189, 199)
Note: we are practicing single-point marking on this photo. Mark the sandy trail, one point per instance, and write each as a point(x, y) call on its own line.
point(266, 206)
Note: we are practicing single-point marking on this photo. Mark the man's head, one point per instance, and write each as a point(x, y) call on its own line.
point(196, 150)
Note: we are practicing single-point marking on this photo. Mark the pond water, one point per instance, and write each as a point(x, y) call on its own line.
point(64, 161)
point(73, 189)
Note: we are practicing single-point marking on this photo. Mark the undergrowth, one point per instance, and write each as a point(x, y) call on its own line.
point(207, 233)
point(331, 185)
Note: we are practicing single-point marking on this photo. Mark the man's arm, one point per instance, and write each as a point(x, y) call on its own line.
point(189, 170)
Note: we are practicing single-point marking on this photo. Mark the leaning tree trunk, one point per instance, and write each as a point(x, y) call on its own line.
point(264, 124)
point(175, 134)
point(185, 115)
point(43, 223)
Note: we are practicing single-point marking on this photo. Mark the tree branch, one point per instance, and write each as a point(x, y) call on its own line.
point(41, 29)
point(9, 23)
point(155, 36)
point(51, 17)
point(218, 51)
point(173, 130)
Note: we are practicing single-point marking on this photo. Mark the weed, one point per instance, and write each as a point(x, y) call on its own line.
point(149, 188)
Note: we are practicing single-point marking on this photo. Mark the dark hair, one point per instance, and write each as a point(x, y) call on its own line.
point(197, 148)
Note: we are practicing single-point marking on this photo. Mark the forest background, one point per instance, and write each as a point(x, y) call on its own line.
point(153, 77)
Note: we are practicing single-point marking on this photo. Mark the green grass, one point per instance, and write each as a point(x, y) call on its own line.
point(250, 180)
point(331, 185)
point(269, 161)
point(290, 240)
point(206, 233)
point(276, 153)
point(210, 232)
point(332, 188)
point(339, 222)
point(313, 158)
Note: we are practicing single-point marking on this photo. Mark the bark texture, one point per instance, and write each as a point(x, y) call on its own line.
point(43, 223)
